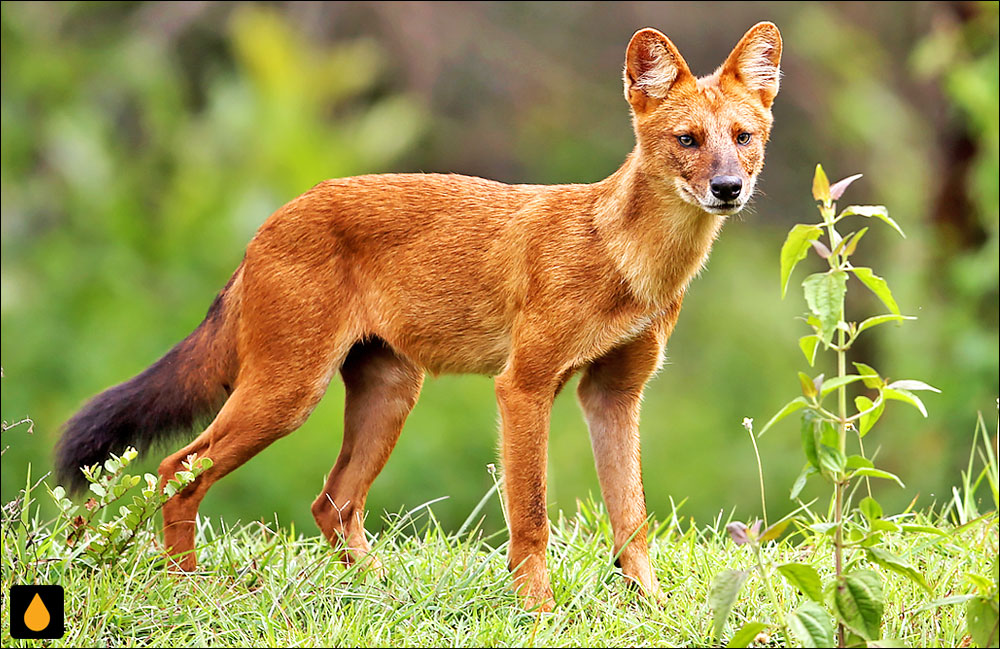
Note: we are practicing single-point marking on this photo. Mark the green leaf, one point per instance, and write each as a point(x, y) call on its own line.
point(877, 285)
point(876, 211)
point(858, 462)
point(832, 384)
point(842, 243)
point(924, 529)
point(775, 531)
point(746, 634)
point(981, 616)
point(811, 625)
point(808, 345)
point(805, 578)
point(865, 422)
point(879, 525)
point(808, 387)
point(795, 404)
point(890, 561)
point(872, 380)
point(879, 473)
point(873, 321)
point(910, 384)
point(808, 433)
point(725, 587)
point(831, 460)
point(870, 508)
point(821, 185)
point(828, 433)
point(825, 296)
point(906, 397)
point(800, 482)
point(795, 249)
point(856, 600)
point(852, 244)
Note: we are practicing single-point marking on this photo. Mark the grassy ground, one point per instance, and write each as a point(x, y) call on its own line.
point(260, 585)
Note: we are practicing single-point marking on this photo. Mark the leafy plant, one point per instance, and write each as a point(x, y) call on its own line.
point(854, 596)
point(95, 535)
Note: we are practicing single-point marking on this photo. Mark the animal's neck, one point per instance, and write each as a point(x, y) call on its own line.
point(658, 241)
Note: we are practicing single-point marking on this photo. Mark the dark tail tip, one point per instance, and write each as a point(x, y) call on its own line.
point(108, 423)
point(149, 408)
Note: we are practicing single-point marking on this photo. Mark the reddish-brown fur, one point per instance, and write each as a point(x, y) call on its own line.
point(384, 278)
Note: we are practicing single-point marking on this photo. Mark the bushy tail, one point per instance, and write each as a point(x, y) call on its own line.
point(185, 387)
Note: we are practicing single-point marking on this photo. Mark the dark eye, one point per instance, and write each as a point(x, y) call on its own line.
point(686, 140)
point(743, 138)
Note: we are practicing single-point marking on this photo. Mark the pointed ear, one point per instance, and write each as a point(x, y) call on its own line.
point(756, 61)
point(652, 66)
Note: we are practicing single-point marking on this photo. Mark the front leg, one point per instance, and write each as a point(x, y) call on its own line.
point(610, 393)
point(525, 400)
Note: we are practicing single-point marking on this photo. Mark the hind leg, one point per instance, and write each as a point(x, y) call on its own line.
point(258, 412)
point(293, 334)
point(382, 388)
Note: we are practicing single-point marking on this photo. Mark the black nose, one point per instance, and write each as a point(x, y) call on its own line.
point(726, 188)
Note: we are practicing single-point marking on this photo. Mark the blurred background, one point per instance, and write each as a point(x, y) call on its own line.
point(144, 143)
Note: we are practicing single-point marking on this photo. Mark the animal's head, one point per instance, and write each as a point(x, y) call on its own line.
point(704, 137)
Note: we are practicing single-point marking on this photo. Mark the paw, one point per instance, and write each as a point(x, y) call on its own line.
point(370, 564)
point(363, 558)
point(648, 586)
point(539, 602)
point(657, 597)
point(535, 593)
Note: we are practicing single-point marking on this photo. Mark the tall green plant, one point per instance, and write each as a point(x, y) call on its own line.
point(853, 597)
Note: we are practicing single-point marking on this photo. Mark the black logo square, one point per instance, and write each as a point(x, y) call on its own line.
point(36, 612)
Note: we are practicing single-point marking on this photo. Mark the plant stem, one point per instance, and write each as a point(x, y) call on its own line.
point(838, 538)
point(836, 263)
point(838, 547)
point(760, 473)
point(770, 592)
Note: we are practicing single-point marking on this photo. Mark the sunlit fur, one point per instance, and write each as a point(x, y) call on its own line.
point(385, 278)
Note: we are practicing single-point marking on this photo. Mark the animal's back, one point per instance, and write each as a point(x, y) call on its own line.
point(430, 261)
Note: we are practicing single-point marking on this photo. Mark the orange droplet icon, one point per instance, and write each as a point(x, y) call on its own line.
point(36, 617)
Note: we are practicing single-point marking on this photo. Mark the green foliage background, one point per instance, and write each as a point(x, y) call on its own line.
point(143, 144)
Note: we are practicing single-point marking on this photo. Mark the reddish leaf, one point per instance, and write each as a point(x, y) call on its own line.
point(837, 188)
point(738, 531)
point(820, 249)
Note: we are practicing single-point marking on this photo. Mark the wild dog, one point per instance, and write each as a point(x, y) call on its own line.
point(386, 277)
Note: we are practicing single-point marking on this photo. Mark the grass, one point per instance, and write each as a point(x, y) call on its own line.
point(260, 585)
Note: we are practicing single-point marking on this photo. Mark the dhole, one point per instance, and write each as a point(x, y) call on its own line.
point(384, 278)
